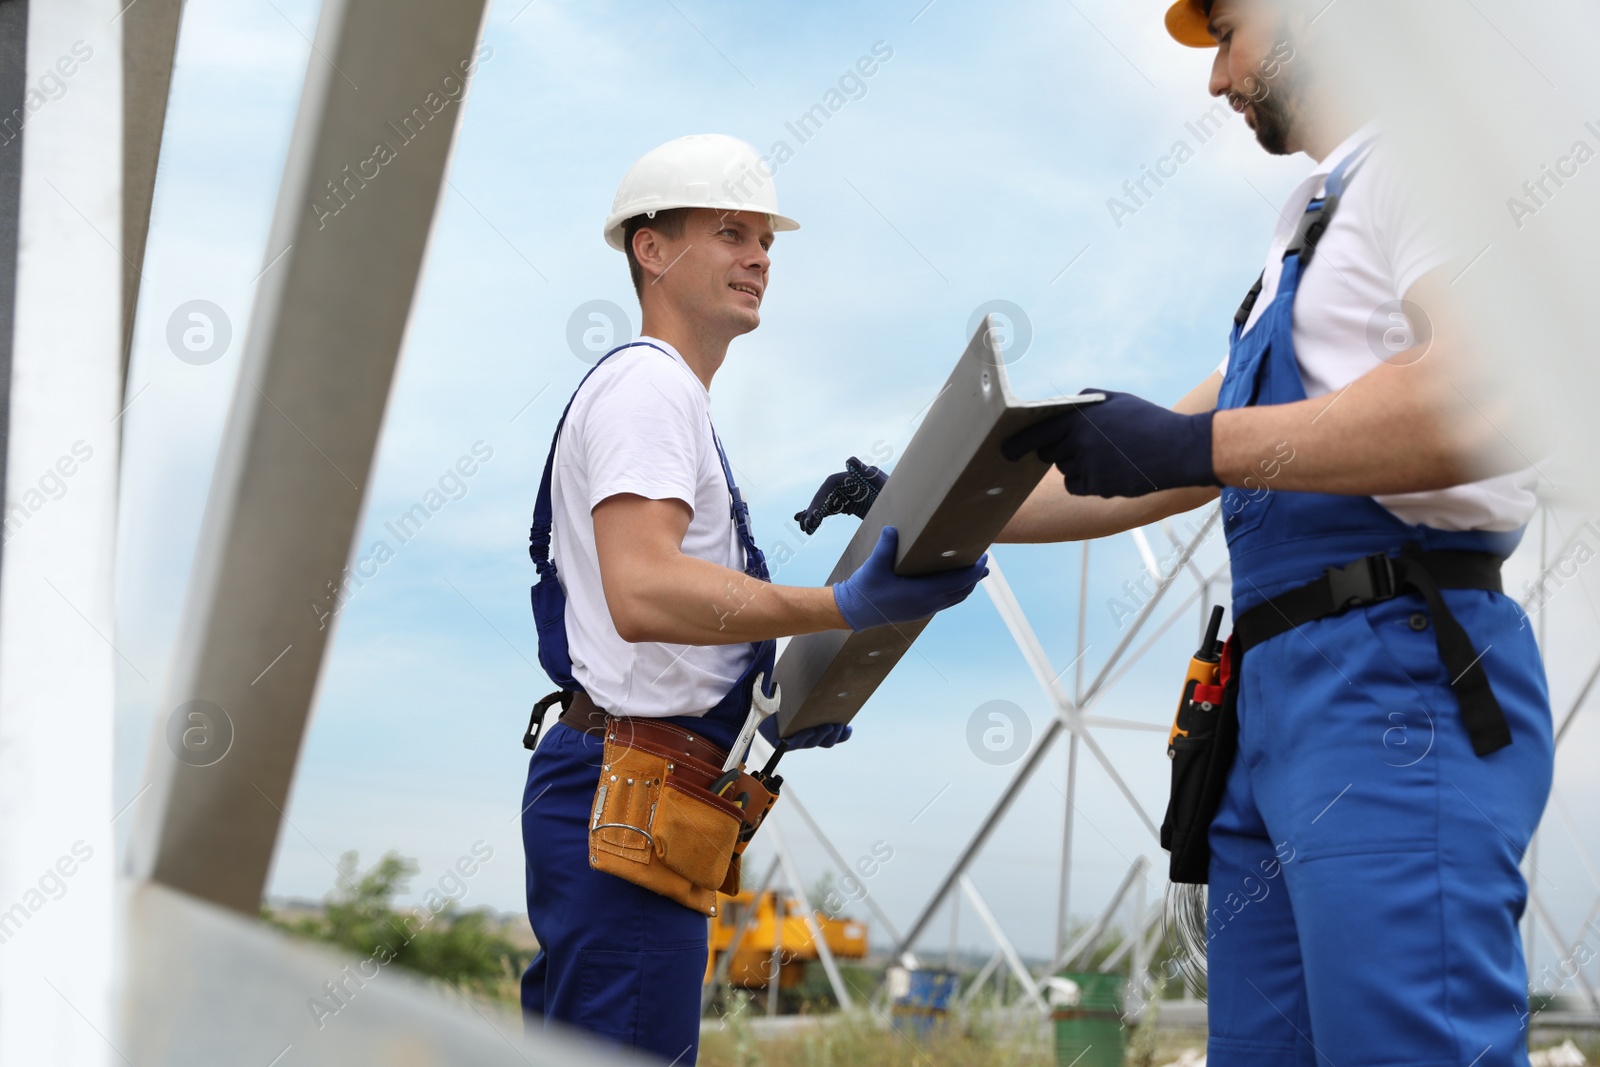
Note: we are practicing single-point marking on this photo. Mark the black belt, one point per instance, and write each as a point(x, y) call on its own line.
point(1373, 579)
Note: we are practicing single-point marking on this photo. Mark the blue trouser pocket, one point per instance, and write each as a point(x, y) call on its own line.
point(642, 997)
point(1365, 858)
point(616, 960)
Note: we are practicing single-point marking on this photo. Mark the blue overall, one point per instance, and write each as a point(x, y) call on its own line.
point(616, 960)
point(1364, 883)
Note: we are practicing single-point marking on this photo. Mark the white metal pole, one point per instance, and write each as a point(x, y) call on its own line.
point(1146, 923)
point(1068, 811)
point(824, 953)
point(58, 657)
point(1136, 967)
point(1149, 606)
point(1577, 702)
point(1005, 602)
point(1030, 988)
point(792, 800)
point(1068, 817)
point(1083, 625)
point(1562, 946)
point(1530, 943)
point(775, 964)
point(983, 978)
point(1087, 940)
point(1203, 581)
point(955, 929)
point(724, 964)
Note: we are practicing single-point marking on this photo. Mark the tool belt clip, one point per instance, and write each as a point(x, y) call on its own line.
point(530, 737)
point(1366, 581)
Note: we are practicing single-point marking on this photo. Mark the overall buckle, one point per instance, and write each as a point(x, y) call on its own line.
point(1366, 581)
point(1313, 224)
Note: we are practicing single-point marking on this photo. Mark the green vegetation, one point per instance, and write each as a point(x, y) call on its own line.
point(861, 1040)
point(460, 947)
point(984, 1034)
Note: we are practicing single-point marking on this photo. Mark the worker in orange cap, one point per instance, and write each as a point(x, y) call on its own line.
point(1384, 750)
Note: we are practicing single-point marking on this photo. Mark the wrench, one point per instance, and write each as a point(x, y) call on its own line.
point(761, 706)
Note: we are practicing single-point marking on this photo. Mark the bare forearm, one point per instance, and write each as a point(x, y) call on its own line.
point(1360, 442)
point(1429, 418)
point(1051, 514)
point(656, 593)
point(694, 602)
point(1397, 429)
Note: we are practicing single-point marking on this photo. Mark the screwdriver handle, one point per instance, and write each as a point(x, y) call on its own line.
point(772, 761)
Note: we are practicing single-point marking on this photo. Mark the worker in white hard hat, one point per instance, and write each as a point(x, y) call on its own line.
point(656, 618)
point(1360, 803)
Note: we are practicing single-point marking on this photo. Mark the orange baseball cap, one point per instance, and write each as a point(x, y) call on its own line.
point(1187, 21)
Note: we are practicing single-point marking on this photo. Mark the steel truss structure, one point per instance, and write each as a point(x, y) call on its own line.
point(1548, 549)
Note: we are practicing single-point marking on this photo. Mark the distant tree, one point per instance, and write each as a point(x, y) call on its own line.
point(458, 946)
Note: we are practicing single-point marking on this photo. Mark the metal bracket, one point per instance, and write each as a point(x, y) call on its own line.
point(949, 496)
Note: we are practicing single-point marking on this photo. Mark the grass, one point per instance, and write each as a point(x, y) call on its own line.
point(858, 1039)
point(862, 1040)
point(982, 1035)
point(1588, 1043)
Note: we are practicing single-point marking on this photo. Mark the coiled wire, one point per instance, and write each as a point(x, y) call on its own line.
point(1184, 919)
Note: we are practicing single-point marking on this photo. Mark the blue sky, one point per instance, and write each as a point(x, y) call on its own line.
point(975, 165)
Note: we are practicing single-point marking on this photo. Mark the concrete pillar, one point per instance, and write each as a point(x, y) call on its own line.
point(384, 90)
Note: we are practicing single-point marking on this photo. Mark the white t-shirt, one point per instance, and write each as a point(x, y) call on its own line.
point(1375, 250)
point(641, 424)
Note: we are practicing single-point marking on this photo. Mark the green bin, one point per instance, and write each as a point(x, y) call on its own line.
point(1090, 1033)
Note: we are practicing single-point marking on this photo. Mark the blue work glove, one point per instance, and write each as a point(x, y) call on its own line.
point(1121, 446)
point(850, 492)
point(875, 595)
point(824, 736)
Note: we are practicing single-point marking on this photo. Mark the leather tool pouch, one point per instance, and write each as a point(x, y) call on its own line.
point(655, 824)
point(1200, 765)
point(754, 800)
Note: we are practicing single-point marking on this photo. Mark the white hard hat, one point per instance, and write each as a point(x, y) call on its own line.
point(702, 170)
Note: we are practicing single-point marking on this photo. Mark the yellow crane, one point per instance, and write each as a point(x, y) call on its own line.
point(777, 927)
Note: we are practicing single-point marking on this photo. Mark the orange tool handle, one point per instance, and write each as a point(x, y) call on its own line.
point(1200, 673)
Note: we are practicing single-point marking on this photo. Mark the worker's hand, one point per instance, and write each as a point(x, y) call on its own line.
point(850, 492)
point(1121, 446)
point(824, 736)
point(875, 595)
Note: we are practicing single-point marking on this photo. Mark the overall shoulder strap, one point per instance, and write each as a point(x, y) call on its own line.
point(1319, 213)
point(1313, 224)
point(1242, 316)
point(539, 533)
point(755, 566)
point(755, 563)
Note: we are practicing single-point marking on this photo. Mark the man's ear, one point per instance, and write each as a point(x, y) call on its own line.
point(650, 253)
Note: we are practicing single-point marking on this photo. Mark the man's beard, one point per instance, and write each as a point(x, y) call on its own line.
point(1275, 121)
point(1279, 104)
